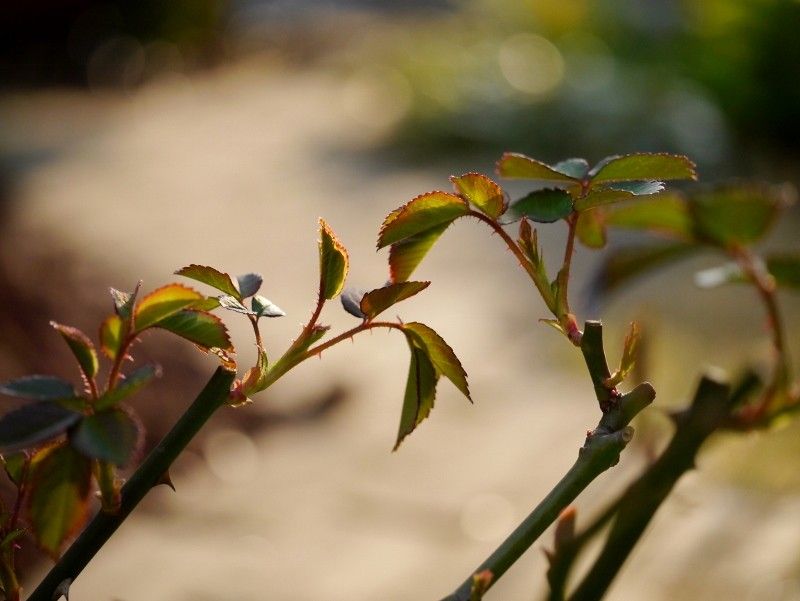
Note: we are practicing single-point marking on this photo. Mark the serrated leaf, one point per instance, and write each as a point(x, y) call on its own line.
point(543, 206)
point(204, 329)
point(211, 277)
point(333, 262)
point(737, 214)
point(644, 166)
point(127, 386)
point(58, 498)
point(514, 165)
point(642, 188)
point(249, 284)
point(162, 303)
point(81, 347)
point(590, 228)
point(666, 214)
point(111, 334)
point(577, 168)
point(33, 424)
point(440, 353)
point(615, 193)
point(625, 264)
point(351, 302)
point(424, 212)
point(377, 301)
point(111, 435)
point(785, 269)
point(15, 465)
point(263, 307)
point(124, 301)
point(482, 192)
point(38, 388)
point(231, 303)
point(405, 256)
point(420, 393)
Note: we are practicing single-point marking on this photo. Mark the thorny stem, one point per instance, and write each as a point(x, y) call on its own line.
point(363, 327)
point(113, 375)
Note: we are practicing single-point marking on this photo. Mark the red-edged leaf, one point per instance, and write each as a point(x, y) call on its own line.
point(404, 256)
point(112, 435)
point(333, 262)
point(212, 277)
point(421, 214)
point(204, 329)
point(666, 214)
point(162, 303)
point(81, 347)
point(482, 192)
point(643, 166)
point(514, 165)
point(111, 335)
point(440, 353)
point(420, 393)
point(378, 300)
point(58, 496)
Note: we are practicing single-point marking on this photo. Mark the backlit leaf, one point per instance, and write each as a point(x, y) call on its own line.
point(127, 386)
point(590, 228)
point(33, 424)
point(231, 303)
point(543, 206)
point(785, 269)
point(376, 301)
point(263, 307)
point(420, 393)
point(111, 435)
point(162, 303)
point(482, 192)
point(15, 466)
point(514, 165)
point(249, 284)
point(644, 166)
point(577, 168)
point(351, 302)
point(111, 334)
point(421, 214)
point(124, 301)
point(642, 188)
point(204, 329)
point(333, 262)
point(38, 388)
point(666, 214)
point(58, 498)
point(440, 354)
point(210, 276)
point(404, 256)
point(615, 193)
point(81, 347)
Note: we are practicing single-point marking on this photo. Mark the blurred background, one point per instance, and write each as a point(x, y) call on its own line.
point(136, 138)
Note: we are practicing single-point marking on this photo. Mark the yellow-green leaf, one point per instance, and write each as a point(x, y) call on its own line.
point(204, 329)
point(482, 192)
point(590, 228)
point(81, 347)
point(420, 214)
point(162, 303)
point(378, 300)
point(212, 277)
point(643, 166)
point(111, 334)
point(514, 165)
point(420, 393)
point(406, 255)
point(666, 214)
point(58, 499)
point(440, 353)
point(127, 386)
point(333, 262)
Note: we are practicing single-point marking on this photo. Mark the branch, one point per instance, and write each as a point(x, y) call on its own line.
point(148, 475)
point(599, 452)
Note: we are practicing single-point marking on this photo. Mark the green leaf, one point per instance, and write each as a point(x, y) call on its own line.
point(735, 214)
point(249, 284)
point(111, 435)
point(131, 384)
point(351, 302)
point(626, 264)
point(543, 206)
point(111, 334)
point(263, 307)
point(590, 228)
point(482, 192)
point(124, 301)
point(212, 277)
point(628, 360)
point(577, 168)
point(615, 193)
point(15, 465)
point(420, 393)
point(643, 166)
point(204, 329)
point(421, 214)
point(666, 214)
point(785, 269)
point(81, 347)
point(377, 301)
point(38, 388)
point(162, 303)
point(440, 353)
point(58, 498)
point(33, 424)
point(514, 165)
point(643, 188)
point(333, 262)
point(405, 256)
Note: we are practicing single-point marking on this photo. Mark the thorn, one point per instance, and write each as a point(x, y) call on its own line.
point(167, 480)
point(62, 590)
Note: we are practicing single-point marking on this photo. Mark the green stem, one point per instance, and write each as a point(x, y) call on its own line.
point(148, 475)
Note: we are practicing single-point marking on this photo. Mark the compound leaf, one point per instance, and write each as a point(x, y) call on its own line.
point(643, 166)
point(482, 192)
point(212, 277)
point(81, 347)
point(204, 329)
point(163, 303)
point(514, 165)
point(420, 214)
point(376, 301)
point(33, 424)
point(38, 388)
point(333, 262)
point(111, 435)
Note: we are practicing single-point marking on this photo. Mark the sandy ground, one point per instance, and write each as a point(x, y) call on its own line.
point(232, 169)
